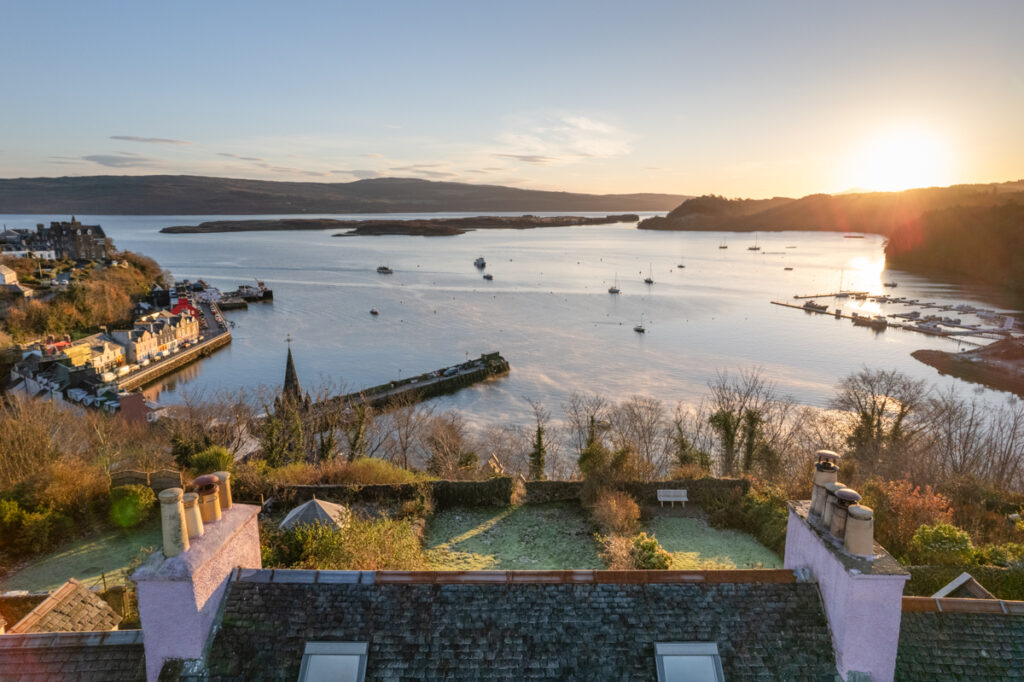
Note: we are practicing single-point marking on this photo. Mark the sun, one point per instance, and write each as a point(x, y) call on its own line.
point(903, 158)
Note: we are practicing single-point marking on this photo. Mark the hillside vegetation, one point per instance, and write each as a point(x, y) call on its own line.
point(975, 243)
point(875, 212)
point(195, 195)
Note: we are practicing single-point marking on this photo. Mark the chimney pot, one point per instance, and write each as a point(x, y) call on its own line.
point(830, 502)
point(172, 522)
point(825, 472)
point(224, 481)
point(844, 498)
point(193, 517)
point(209, 497)
point(860, 531)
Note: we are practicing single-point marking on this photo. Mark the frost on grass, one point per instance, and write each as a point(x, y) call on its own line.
point(539, 537)
point(695, 545)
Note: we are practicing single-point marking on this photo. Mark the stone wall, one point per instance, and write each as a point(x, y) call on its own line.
point(443, 494)
point(645, 492)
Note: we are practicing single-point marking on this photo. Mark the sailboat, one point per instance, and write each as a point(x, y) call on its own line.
point(639, 329)
point(649, 279)
point(615, 288)
point(755, 247)
point(680, 264)
point(723, 245)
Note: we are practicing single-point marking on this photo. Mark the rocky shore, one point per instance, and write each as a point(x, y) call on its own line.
point(433, 227)
point(999, 365)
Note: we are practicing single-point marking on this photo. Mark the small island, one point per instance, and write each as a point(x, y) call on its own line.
point(432, 227)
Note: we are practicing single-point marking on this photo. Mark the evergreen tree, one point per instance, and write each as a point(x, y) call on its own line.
point(537, 456)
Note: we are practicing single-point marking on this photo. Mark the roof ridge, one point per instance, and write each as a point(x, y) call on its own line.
point(1004, 607)
point(37, 640)
point(567, 577)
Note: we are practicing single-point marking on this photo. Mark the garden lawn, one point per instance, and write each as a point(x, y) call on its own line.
point(87, 560)
point(539, 537)
point(693, 544)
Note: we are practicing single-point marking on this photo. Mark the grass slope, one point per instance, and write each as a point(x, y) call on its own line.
point(539, 537)
point(695, 545)
point(87, 560)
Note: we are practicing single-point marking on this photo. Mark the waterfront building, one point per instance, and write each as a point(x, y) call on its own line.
point(139, 344)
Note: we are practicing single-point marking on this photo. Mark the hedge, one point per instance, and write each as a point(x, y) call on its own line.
point(699, 490)
point(1004, 583)
point(442, 494)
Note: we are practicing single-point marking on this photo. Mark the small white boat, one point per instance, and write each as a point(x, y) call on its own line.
point(640, 329)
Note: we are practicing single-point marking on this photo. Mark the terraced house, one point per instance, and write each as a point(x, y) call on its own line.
point(836, 612)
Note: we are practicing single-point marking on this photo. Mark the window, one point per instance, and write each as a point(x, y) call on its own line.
point(333, 662)
point(688, 662)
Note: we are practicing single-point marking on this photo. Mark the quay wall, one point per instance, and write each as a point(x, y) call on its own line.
point(173, 363)
point(644, 492)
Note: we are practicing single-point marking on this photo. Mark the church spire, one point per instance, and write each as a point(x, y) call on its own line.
point(292, 390)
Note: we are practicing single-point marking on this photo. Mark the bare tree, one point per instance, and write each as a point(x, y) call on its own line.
point(406, 421)
point(639, 424)
point(581, 411)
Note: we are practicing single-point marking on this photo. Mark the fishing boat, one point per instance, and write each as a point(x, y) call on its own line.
point(640, 329)
point(374, 311)
point(385, 270)
point(488, 276)
point(480, 262)
point(649, 279)
point(889, 284)
point(614, 289)
point(787, 268)
point(814, 307)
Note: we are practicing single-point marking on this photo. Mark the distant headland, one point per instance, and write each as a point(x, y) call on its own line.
point(434, 227)
point(196, 195)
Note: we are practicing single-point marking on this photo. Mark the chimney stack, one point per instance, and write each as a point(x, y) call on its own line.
point(209, 497)
point(861, 584)
point(193, 519)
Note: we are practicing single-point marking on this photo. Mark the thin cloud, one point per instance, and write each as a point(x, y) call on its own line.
point(148, 140)
point(535, 159)
point(358, 174)
point(372, 155)
point(121, 160)
point(416, 167)
point(240, 158)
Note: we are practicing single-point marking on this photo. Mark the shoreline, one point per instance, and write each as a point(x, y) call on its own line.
point(431, 227)
point(999, 366)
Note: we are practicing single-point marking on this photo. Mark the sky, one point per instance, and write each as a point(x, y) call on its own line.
point(733, 98)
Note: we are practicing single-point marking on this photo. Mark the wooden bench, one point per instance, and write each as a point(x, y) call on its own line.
point(672, 496)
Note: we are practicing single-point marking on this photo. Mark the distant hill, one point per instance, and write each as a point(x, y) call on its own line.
point(877, 212)
point(196, 195)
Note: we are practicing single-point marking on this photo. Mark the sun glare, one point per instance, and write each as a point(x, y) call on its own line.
point(902, 159)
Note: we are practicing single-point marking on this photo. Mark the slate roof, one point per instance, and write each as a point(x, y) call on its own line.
point(83, 657)
point(316, 511)
point(962, 646)
point(516, 630)
point(70, 608)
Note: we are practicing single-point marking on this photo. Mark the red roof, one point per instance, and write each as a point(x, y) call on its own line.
point(184, 305)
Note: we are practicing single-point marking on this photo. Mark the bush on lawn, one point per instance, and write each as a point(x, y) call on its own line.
point(760, 513)
point(27, 532)
point(616, 512)
point(647, 554)
point(130, 505)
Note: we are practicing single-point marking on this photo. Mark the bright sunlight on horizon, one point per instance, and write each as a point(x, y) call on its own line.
point(903, 158)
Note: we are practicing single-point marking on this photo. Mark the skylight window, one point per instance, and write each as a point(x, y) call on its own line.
point(688, 662)
point(333, 662)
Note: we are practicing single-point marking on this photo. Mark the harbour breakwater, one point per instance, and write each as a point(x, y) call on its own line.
point(429, 385)
point(175, 362)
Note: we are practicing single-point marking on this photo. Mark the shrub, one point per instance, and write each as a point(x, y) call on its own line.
point(616, 512)
point(647, 553)
point(26, 532)
point(367, 545)
point(213, 458)
point(420, 508)
point(615, 550)
point(368, 471)
point(942, 543)
point(900, 509)
point(760, 513)
point(130, 505)
point(1004, 583)
point(1008, 554)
